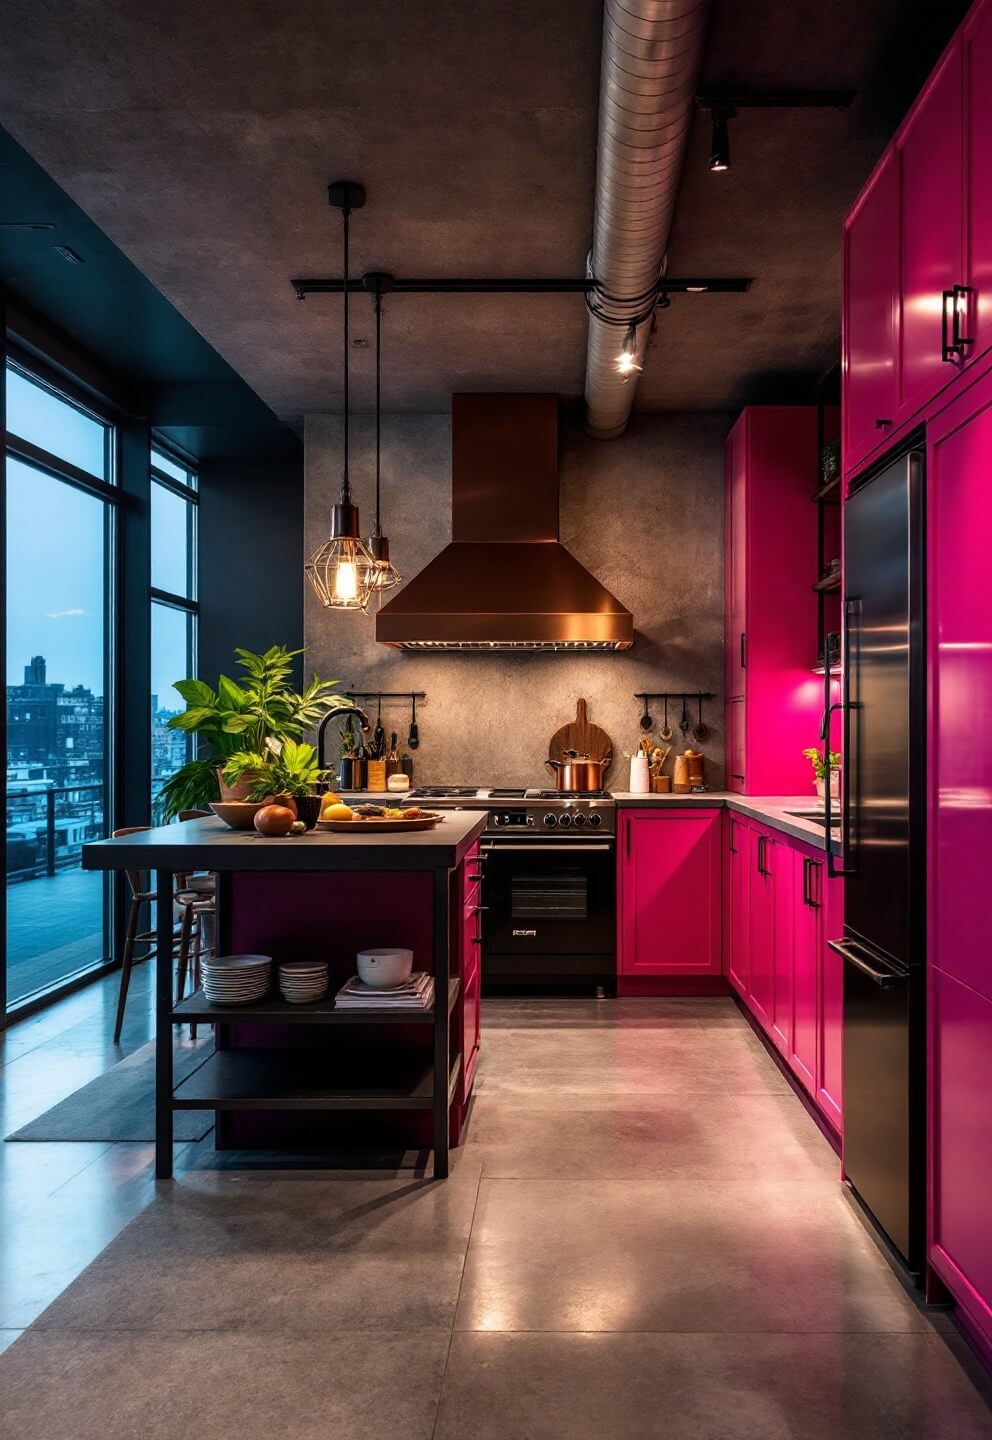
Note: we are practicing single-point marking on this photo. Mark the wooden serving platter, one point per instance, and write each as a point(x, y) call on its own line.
point(378, 824)
point(584, 737)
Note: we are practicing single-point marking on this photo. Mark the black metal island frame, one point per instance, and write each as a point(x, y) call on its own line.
point(263, 886)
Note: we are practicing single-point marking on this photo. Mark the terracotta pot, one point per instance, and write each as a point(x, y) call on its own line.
point(285, 800)
point(234, 792)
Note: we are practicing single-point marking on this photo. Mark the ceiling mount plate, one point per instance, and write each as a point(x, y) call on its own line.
point(346, 195)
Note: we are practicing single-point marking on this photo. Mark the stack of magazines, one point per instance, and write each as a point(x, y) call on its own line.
point(417, 993)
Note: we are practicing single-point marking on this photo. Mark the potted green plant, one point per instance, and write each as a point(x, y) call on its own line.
point(239, 717)
point(285, 771)
point(815, 757)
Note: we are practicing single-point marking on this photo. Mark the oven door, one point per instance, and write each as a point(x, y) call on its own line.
point(550, 907)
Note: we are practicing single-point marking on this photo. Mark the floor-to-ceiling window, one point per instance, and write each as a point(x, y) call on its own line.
point(174, 607)
point(61, 499)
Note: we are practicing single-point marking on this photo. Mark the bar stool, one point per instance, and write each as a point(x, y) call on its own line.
point(139, 882)
point(195, 896)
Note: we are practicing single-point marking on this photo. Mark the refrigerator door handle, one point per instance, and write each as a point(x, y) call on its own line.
point(884, 979)
point(845, 706)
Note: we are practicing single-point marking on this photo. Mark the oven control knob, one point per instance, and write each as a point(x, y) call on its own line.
point(496, 820)
point(580, 818)
point(565, 820)
point(530, 819)
point(550, 820)
point(595, 820)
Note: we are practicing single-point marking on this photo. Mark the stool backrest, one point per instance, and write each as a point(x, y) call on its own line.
point(138, 885)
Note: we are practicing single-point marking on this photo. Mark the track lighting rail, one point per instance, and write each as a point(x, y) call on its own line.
point(497, 285)
point(386, 694)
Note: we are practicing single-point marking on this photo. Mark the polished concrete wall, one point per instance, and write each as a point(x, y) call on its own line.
point(644, 513)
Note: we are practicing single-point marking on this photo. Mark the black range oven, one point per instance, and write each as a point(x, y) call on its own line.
point(549, 892)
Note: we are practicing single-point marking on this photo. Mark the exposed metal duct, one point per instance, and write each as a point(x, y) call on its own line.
point(652, 51)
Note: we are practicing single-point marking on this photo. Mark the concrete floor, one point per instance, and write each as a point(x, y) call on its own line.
point(644, 1235)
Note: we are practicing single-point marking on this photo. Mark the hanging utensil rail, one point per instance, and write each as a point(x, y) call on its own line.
point(386, 694)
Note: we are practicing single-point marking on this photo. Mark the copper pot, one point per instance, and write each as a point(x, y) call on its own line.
point(576, 773)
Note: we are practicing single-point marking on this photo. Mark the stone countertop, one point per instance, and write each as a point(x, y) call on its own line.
point(769, 809)
point(209, 844)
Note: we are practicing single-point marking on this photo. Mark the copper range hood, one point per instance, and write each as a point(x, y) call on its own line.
point(505, 582)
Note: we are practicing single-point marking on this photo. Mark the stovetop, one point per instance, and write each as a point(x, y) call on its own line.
point(486, 795)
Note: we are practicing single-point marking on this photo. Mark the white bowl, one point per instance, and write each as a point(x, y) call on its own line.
point(384, 969)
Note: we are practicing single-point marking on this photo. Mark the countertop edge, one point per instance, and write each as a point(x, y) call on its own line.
point(769, 809)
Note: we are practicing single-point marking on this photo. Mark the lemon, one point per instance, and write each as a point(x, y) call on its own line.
point(339, 811)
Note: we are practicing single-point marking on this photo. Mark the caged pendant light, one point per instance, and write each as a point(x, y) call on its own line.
point(385, 575)
point(342, 570)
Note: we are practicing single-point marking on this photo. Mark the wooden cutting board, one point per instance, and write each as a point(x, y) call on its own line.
point(581, 735)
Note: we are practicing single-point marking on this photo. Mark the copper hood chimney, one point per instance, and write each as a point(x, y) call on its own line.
point(505, 582)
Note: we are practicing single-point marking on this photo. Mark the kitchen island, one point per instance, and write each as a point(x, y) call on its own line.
point(320, 895)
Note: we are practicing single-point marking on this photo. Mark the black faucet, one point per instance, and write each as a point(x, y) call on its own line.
point(355, 710)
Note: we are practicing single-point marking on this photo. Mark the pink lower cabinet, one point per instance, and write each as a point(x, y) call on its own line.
point(669, 893)
point(735, 895)
point(761, 909)
point(807, 949)
point(960, 1246)
point(830, 1005)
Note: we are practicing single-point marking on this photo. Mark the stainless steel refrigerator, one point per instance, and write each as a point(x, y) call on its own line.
point(883, 850)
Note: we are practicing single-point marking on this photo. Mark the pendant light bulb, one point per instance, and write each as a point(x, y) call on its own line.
point(385, 576)
point(720, 142)
point(627, 361)
point(342, 569)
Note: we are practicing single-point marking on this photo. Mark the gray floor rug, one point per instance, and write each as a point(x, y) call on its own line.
point(119, 1105)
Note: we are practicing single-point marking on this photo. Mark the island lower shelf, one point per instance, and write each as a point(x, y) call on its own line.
point(197, 1010)
point(294, 1080)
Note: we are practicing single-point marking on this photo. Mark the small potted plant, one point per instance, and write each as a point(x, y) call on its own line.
point(286, 772)
point(349, 765)
point(815, 757)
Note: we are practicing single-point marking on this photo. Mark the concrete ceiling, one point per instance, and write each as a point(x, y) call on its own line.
point(200, 136)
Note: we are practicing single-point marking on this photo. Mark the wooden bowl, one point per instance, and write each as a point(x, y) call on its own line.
point(238, 814)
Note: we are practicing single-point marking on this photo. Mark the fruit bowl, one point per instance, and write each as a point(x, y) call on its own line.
point(238, 814)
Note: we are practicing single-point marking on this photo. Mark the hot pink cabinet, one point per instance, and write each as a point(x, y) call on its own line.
point(929, 148)
point(871, 315)
point(736, 856)
point(670, 892)
point(779, 909)
point(771, 634)
point(961, 1145)
point(977, 64)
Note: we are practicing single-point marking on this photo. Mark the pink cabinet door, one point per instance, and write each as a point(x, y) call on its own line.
point(961, 1144)
point(670, 901)
point(735, 550)
point(784, 866)
point(470, 1001)
point(830, 1008)
point(871, 296)
point(735, 924)
point(960, 609)
point(930, 161)
point(807, 948)
point(761, 926)
point(736, 745)
point(977, 41)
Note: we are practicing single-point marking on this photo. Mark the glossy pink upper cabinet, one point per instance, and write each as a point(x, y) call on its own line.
point(735, 544)
point(977, 41)
point(930, 161)
point(670, 892)
point(959, 484)
point(871, 300)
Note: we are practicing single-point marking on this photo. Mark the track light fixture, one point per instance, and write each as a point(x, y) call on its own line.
point(720, 141)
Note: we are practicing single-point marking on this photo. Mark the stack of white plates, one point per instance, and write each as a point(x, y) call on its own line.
point(236, 979)
point(303, 982)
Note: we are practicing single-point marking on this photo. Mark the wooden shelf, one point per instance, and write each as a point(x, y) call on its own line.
point(302, 1080)
point(198, 1009)
point(827, 583)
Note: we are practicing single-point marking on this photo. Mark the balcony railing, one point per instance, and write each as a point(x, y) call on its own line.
point(45, 855)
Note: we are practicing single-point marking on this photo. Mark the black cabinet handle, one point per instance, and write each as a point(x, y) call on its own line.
point(762, 847)
point(733, 847)
point(743, 651)
point(961, 307)
point(882, 424)
point(628, 839)
point(948, 350)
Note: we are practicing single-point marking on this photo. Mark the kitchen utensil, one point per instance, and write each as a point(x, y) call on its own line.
point(646, 721)
point(699, 731)
point(385, 968)
point(378, 736)
point(640, 782)
point(413, 739)
point(661, 784)
point(575, 773)
point(583, 738)
point(684, 722)
point(666, 730)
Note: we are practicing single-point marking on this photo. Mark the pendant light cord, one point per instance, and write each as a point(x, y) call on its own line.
point(378, 409)
point(346, 481)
